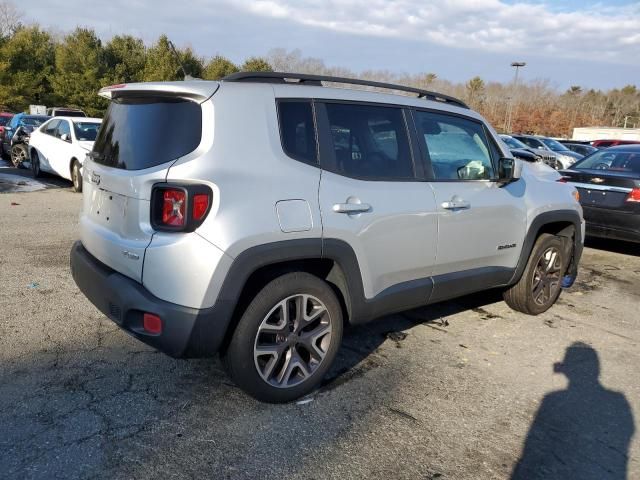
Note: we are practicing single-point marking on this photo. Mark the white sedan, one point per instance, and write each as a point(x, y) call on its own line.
point(60, 145)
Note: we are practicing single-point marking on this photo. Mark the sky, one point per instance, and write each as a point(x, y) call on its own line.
point(594, 44)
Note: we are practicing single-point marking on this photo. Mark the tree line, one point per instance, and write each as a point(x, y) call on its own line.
point(38, 67)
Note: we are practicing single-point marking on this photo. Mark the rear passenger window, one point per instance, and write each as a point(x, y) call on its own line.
point(458, 148)
point(370, 142)
point(297, 131)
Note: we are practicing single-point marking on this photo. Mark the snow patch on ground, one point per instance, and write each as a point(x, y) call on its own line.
point(17, 184)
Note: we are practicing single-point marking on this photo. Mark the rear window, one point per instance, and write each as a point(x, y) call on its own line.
point(142, 132)
point(613, 160)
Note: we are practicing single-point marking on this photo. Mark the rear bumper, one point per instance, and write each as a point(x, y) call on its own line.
point(186, 332)
point(615, 224)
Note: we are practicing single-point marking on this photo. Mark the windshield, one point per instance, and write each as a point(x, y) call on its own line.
point(69, 113)
point(142, 132)
point(619, 161)
point(513, 142)
point(33, 121)
point(86, 131)
point(4, 120)
point(554, 145)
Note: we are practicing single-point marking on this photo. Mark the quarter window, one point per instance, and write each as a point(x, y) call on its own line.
point(370, 142)
point(457, 147)
point(64, 129)
point(297, 131)
point(51, 127)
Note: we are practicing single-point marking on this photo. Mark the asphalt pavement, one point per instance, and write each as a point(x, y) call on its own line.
point(466, 389)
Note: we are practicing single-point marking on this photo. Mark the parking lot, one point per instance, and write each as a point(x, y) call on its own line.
point(452, 391)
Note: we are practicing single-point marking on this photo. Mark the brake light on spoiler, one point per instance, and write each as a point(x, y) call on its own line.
point(178, 207)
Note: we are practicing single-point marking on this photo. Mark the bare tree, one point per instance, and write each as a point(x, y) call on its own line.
point(10, 18)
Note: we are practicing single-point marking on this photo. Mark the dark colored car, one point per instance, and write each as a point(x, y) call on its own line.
point(524, 152)
point(580, 148)
point(20, 127)
point(613, 143)
point(609, 185)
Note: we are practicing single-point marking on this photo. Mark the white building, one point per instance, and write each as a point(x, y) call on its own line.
point(605, 133)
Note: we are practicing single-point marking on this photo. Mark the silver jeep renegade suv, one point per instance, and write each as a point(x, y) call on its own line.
point(259, 215)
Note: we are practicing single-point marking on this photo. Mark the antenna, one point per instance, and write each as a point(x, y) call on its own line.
point(177, 57)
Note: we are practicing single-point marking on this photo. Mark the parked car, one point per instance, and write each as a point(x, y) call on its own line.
point(580, 148)
point(65, 112)
point(520, 150)
point(613, 143)
point(256, 216)
point(5, 118)
point(60, 146)
point(564, 156)
point(15, 138)
point(609, 185)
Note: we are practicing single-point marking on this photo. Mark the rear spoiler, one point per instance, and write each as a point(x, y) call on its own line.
point(197, 90)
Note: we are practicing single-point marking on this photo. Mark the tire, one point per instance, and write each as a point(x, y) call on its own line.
point(19, 154)
point(35, 165)
point(271, 358)
point(541, 282)
point(76, 176)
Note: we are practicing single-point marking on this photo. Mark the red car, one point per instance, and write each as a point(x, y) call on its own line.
point(612, 143)
point(5, 117)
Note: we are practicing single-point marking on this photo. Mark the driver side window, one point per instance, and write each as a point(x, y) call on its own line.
point(457, 147)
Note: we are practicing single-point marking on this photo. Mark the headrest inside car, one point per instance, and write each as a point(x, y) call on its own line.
point(431, 127)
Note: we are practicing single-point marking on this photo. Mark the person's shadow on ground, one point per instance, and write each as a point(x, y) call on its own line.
point(582, 432)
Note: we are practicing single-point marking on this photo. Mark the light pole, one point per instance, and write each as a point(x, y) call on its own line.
point(513, 94)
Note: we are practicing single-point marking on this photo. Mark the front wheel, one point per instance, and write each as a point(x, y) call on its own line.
point(287, 339)
point(541, 282)
point(76, 176)
point(19, 155)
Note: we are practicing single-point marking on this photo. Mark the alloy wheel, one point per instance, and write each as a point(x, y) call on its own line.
point(18, 156)
point(547, 276)
point(292, 340)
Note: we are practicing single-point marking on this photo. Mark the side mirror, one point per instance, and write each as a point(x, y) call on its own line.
point(509, 170)
point(65, 137)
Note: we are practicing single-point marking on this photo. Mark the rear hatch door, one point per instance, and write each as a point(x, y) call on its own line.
point(146, 129)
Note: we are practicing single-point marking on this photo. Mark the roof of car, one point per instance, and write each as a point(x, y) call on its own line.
point(78, 119)
point(203, 89)
point(631, 147)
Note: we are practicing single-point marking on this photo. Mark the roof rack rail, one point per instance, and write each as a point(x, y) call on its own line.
point(316, 80)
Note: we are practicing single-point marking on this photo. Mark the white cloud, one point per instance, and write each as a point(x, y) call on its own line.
point(489, 25)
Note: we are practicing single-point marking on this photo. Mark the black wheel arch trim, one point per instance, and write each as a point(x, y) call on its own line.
point(538, 223)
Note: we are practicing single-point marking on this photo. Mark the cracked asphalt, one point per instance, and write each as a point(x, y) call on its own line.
point(461, 390)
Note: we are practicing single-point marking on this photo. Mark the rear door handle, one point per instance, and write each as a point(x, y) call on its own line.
point(456, 205)
point(351, 207)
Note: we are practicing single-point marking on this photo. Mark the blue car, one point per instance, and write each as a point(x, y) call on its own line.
point(20, 127)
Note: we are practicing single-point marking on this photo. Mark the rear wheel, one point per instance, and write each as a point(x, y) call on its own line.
point(287, 339)
point(541, 282)
point(35, 165)
point(19, 155)
point(76, 176)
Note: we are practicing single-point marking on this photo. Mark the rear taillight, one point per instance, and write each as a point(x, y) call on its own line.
point(174, 207)
point(563, 179)
point(634, 195)
point(200, 205)
point(179, 208)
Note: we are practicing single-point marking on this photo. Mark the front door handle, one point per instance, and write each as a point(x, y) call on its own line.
point(351, 207)
point(456, 204)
